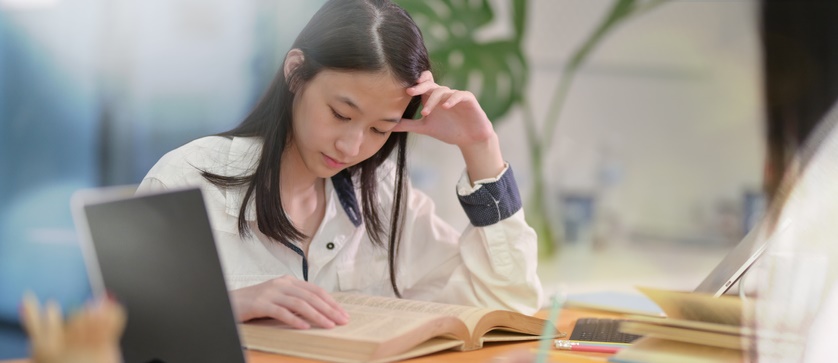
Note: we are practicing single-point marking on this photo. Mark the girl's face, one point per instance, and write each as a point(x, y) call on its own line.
point(342, 118)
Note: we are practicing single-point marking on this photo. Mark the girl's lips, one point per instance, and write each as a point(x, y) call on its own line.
point(332, 163)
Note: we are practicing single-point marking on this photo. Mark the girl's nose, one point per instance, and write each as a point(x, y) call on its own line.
point(349, 144)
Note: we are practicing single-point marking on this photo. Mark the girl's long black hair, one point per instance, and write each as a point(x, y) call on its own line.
point(344, 35)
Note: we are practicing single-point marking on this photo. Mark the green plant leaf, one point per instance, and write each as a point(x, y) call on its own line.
point(495, 71)
point(619, 12)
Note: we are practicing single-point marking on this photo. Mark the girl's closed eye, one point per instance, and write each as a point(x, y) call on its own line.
point(339, 116)
point(380, 132)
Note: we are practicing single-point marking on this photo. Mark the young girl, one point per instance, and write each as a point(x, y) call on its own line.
point(305, 198)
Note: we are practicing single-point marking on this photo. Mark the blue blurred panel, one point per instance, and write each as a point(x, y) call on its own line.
point(51, 103)
point(47, 120)
point(40, 252)
point(5, 147)
point(12, 339)
point(93, 92)
point(12, 342)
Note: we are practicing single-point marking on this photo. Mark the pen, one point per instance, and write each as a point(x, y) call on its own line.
point(581, 347)
point(592, 349)
point(590, 343)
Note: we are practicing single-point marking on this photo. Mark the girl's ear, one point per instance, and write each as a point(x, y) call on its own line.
point(293, 60)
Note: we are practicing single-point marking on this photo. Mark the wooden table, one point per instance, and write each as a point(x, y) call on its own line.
point(566, 320)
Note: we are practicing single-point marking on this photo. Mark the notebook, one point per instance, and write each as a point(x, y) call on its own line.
point(157, 255)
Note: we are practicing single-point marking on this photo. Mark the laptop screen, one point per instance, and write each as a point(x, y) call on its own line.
point(157, 255)
point(734, 264)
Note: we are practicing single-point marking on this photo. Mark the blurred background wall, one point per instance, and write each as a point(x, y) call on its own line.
point(662, 124)
point(660, 130)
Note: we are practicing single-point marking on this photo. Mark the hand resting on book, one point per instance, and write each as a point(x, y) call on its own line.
point(290, 300)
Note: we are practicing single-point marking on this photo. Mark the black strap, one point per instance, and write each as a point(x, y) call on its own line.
point(346, 194)
point(299, 251)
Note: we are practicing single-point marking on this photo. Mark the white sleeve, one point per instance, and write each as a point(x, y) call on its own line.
point(492, 263)
point(151, 185)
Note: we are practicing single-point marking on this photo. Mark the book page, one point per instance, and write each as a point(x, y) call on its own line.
point(371, 334)
point(511, 336)
point(512, 326)
point(698, 307)
point(366, 323)
point(504, 325)
point(468, 314)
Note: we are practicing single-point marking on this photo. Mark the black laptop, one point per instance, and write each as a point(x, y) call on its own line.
point(157, 255)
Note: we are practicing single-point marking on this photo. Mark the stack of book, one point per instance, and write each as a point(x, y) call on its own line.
point(698, 328)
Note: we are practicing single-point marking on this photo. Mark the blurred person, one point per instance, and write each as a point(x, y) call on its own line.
point(795, 296)
point(89, 335)
point(309, 194)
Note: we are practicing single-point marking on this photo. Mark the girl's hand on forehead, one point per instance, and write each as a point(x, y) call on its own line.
point(451, 116)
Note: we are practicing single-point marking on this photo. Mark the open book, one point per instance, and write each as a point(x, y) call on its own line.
point(388, 329)
point(698, 328)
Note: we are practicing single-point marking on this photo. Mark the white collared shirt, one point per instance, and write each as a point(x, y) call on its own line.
point(492, 266)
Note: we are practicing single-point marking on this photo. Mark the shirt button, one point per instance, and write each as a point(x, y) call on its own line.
point(330, 246)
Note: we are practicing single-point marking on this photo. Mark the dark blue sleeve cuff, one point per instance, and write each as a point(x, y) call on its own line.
point(493, 202)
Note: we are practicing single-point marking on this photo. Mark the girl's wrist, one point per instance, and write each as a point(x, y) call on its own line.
point(483, 159)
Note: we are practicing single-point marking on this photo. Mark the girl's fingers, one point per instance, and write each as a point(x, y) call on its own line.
point(30, 314)
point(422, 88)
point(334, 305)
point(408, 125)
point(100, 321)
point(54, 323)
point(438, 94)
point(425, 76)
point(292, 301)
point(331, 313)
point(456, 98)
point(319, 291)
point(284, 315)
point(51, 340)
point(81, 328)
point(338, 314)
point(423, 84)
point(115, 315)
point(305, 310)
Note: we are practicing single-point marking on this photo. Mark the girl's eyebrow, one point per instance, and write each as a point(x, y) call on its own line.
point(352, 104)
